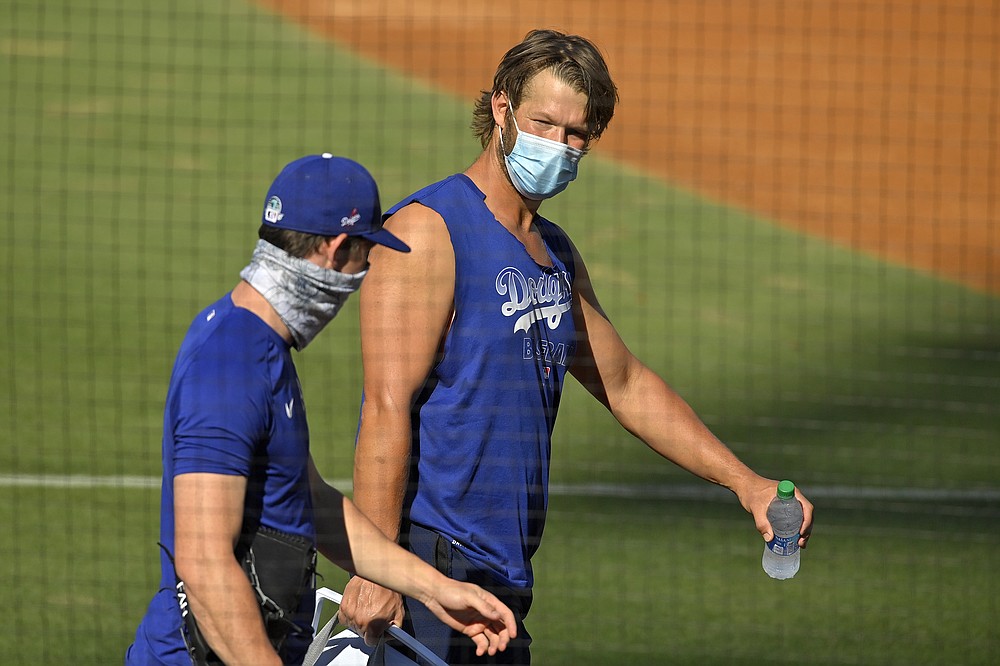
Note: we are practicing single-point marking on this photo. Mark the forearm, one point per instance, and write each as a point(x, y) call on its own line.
point(227, 612)
point(208, 513)
point(348, 538)
point(381, 465)
point(332, 539)
point(382, 561)
point(652, 411)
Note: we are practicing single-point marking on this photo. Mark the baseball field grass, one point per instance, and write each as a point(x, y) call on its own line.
point(139, 141)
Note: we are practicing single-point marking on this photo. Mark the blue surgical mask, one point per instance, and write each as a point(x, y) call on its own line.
point(540, 168)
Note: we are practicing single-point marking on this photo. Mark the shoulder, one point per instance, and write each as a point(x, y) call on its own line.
point(427, 195)
point(230, 344)
point(425, 273)
point(418, 220)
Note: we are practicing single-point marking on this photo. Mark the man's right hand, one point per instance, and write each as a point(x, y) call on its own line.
point(368, 609)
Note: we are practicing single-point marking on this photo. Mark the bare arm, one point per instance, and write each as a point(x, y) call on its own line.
point(649, 409)
point(208, 514)
point(349, 539)
point(406, 307)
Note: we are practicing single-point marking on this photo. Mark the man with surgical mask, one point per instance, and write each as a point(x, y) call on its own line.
point(243, 507)
point(468, 338)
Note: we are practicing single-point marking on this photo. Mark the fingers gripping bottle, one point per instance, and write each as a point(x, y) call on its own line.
point(781, 554)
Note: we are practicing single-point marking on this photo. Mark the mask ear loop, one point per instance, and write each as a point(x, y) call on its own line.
point(509, 114)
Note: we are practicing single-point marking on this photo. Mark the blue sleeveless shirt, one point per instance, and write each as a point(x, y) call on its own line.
point(483, 421)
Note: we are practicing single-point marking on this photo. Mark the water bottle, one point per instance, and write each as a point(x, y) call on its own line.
point(781, 554)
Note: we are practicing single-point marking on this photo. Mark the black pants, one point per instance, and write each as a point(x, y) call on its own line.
point(455, 648)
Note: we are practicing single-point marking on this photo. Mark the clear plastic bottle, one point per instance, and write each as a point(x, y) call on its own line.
point(781, 554)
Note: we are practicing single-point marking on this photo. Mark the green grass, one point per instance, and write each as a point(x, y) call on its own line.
point(139, 140)
point(681, 583)
point(618, 581)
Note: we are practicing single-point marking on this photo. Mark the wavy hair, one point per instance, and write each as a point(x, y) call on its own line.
point(575, 60)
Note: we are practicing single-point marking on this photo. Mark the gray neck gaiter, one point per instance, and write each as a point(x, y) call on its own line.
point(306, 296)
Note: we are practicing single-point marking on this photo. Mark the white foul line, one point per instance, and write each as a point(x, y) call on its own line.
point(665, 491)
point(77, 481)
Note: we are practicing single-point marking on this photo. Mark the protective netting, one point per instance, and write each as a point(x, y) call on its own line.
point(793, 218)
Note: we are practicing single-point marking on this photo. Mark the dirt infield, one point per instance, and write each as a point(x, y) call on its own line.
point(875, 124)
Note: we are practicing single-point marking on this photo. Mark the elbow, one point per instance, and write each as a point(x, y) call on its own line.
point(190, 571)
point(385, 424)
point(385, 404)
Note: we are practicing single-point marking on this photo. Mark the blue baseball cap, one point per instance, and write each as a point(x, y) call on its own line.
point(328, 196)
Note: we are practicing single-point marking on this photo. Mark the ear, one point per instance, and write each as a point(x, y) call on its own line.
point(501, 106)
point(326, 254)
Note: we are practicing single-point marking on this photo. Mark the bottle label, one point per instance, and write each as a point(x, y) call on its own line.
point(784, 546)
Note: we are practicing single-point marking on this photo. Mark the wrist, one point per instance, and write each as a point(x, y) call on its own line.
point(427, 584)
point(742, 486)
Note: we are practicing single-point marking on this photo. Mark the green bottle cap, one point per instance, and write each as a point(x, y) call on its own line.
point(786, 490)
